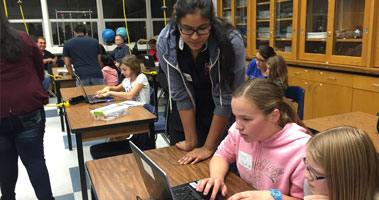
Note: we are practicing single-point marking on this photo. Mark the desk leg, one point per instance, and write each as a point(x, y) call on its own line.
point(69, 140)
point(152, 135)
point(82, 173)
point(59, 99)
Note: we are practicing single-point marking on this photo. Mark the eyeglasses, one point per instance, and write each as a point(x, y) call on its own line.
point(312, 171)
point(199, 31)
point(260, 60)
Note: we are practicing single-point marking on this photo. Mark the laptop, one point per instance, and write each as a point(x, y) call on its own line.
point(148, 61)
point(157, 184)
point(91, 98)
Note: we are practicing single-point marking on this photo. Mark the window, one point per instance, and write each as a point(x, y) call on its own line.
point(158, 26)
point(156, 8)
point(35, 29)
point(137, 30)
point(65, 31)
point(31, 9)
point(72, 5)
point(133, 8)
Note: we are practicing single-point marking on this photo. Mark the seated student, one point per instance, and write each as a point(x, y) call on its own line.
point(135, 85)
point(342, 164)
point(153, 49)
point(267, 142)
point(277, 71)
point(257, 67)
point(109, 70)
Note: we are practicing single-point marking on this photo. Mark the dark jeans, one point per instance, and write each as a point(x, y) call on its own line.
point(22, 135)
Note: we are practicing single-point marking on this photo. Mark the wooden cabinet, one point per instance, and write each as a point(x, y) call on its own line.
point(236, 12)
point(274, 23)
point(326, 93)
point(366, 94)
point(335, 31)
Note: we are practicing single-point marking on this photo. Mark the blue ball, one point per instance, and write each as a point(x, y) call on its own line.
point(108, 35)
point(122, 31)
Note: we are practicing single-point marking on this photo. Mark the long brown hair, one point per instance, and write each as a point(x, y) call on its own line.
point(132, 62)
point(350, 162)
point(267, 96)
point(278, 70)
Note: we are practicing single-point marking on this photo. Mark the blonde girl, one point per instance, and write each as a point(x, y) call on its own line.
point(342, 164)
point(277, 71)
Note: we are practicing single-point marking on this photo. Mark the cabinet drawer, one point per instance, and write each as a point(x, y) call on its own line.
point(300, 73)
point(334, 78)
point(366, 83)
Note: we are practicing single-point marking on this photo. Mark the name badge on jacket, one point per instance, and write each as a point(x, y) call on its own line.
point(245, 160)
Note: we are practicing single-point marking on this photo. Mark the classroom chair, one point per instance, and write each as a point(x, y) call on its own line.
point(297, 94)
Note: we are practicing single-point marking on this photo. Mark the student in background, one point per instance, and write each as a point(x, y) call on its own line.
point(22, 116)
point(203, 59)
point(257, 67)
point(277, 71)
point(109, 70)
point(342, 164)
point(84, 53)
point(135, 85)
point(267, 142)
point(153, 49)
point(48, 58)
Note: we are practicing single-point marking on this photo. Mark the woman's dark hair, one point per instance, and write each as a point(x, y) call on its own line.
point(11, 48)
point(108, 61)
point(266, 52)
point(221, 30)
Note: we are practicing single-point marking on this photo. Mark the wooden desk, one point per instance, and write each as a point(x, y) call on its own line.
point(86, 128)
point(119, 178)
point(64, 82)
point(364, 121)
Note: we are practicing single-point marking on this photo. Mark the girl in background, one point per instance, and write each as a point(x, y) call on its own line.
point(342, 164)
point(109, 70)
point(267, 142)
point(135, 85)
point(257, 67)
point(277, 71)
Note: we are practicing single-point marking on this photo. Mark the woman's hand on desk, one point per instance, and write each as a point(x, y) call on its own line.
point(213, 185)
point(196, 155)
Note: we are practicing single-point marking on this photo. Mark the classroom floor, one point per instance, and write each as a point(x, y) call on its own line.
point(62, 163)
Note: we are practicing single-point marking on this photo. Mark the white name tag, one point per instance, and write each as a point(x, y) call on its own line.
point(188, 77)
point(245, 159)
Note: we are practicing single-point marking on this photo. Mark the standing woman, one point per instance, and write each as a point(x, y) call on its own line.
point(204, 61)
point(22, 117)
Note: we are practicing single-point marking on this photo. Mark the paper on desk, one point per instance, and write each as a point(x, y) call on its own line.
point(132, 103)
point(64, 70)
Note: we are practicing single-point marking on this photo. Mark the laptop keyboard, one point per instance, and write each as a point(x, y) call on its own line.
point(185, 192)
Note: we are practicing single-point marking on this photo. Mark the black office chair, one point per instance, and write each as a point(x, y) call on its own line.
point(297, 94)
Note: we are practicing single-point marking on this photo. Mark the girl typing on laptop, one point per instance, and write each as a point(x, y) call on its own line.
point(135, 86)
point(267, 142)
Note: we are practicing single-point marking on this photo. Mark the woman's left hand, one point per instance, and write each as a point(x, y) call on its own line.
point(195, 156)
point(252, 195)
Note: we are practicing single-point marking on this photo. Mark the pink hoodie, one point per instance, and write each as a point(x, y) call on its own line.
point(275, 163)
point(110, 75)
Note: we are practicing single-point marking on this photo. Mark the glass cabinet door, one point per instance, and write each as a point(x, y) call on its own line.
point(241, 16)
point(348, 27)
point(262, 23)
point(316, 26)
point(227, 10)
point(283, 25)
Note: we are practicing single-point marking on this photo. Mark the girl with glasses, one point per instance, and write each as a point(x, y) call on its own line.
point(342, 164)
point(257, 67)
point(203, 58)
